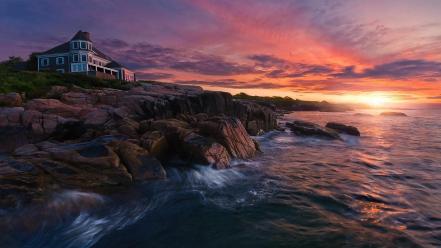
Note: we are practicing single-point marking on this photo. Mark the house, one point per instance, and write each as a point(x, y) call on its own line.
point(79, 55)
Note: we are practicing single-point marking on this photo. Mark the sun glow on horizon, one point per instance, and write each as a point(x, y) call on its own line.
point(376, 100)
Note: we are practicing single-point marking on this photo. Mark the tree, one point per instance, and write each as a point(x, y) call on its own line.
point(32, 63)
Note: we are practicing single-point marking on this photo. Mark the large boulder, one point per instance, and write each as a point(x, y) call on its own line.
point(256, 118)
point(53, 106)
point(155, 142)
point(201, 150)
point(231, 134)
point(11, 100)
point(140, 164)
point(21, 183)
point(342, 128)
point(305, 128)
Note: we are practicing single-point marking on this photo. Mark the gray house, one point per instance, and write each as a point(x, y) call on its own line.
point(79, 55)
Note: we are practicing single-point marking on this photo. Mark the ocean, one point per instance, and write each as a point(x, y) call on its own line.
point(382, 189)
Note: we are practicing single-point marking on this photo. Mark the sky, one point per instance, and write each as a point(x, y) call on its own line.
point(357, 51)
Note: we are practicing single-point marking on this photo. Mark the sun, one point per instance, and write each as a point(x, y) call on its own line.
point(376, 100)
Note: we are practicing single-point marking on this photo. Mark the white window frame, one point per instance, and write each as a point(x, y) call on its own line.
point(83, 45)
point(58, 62)
point(44, 61)
point(77, 58)
point(75, 45)
point(83, 57)
point(60, 70)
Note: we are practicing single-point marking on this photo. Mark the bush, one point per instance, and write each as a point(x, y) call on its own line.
point(37, 84)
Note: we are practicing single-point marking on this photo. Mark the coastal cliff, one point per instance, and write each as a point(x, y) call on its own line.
point(94, 138)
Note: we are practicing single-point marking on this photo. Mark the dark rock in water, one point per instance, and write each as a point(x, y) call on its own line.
point(342, 128)
point(393, 114)
point(140, 164)
point(155, 142)
point(362, 114)
point(202, 150)
point(304, 128)
point(230, 133)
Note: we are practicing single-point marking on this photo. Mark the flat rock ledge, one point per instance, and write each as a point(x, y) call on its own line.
point(94, 138)
point(305, 128)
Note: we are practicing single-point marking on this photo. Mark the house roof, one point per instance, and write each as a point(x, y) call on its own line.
point(80, 35)
point(63, 48)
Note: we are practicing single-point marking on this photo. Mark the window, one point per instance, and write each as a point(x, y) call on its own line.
point(83, 58)
point(94, 61)
point(60, 70)
point(89, 46)
point(60, 60)
point(90, 59)
point(75, 45)
point(83, 45)
point(44, 61)
point(75, 57)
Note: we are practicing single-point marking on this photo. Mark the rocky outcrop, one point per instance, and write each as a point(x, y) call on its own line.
point(11, 100)
point(93, 138)
point(393, 114)
point(342, 128)
point(304, 128)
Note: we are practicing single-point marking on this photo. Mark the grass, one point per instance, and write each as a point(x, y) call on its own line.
point(37, 84)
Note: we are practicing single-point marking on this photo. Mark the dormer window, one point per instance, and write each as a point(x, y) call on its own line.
point(75, 45)
point(83, 45)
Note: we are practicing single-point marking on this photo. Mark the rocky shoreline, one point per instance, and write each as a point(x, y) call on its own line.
point(94, 138)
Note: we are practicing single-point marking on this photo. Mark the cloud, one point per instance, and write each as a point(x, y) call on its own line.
point(148, 56)
point(281, 68)
point(401, 69)
point(434, 97)
point(233, 84)
point(153, 75)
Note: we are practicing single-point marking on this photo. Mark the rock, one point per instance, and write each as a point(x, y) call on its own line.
point(10, 116)
point(26, 150)
point(21, 183)
point(140, 164)
point(11, 100)
point(53, 106)
point(202, 150)
point(362, 114)
point(97, 117)
point(341, 128)
point(230, 133)
point(155, 142)
point(88, 164)
point(256, 118)
point(304, 128)
point(78, 98)
point(57, 91)
point(393, 114)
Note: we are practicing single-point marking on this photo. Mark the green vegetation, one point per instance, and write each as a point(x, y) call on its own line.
point(37, 84)
point(289, 104)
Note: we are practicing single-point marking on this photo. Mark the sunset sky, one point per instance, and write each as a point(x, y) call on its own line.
point(343, 51)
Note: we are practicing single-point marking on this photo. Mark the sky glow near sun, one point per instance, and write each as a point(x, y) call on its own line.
point(380, 53)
